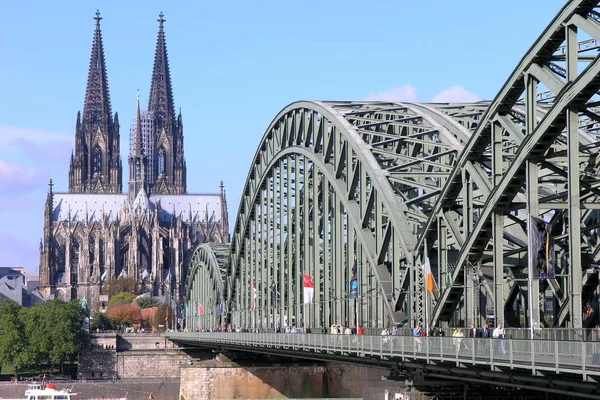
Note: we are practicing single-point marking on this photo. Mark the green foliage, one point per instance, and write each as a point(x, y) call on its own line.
point(121, 298)
point(66, 334)
point(102, 322)
point(48, 333)
point(12, 341)
point(127, 284)
point(148, 302)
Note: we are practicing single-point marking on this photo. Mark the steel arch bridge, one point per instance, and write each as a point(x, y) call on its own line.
point(377, 193)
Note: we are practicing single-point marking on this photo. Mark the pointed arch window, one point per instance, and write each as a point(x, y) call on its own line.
point(97, 160)
point(138, 170)
point(161, 161)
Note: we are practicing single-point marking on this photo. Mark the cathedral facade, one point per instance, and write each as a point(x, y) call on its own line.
point(95, 233)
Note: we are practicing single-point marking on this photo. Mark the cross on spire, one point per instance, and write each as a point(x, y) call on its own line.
point(97, 17)
point(160, 19)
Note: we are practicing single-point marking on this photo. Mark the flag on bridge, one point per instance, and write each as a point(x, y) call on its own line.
point(309, 289)
point(428, 275)
point(254, 295)
point(195, 308)
point(201, 309)
point(220, 307)
point(543, 257)
point(354, 282)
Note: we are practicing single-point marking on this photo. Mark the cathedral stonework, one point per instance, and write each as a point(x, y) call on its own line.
point(95, 233)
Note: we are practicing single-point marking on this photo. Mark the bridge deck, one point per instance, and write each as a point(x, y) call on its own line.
point(533, 357)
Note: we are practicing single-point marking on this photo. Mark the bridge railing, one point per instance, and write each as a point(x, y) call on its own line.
point(580, 358)
point(561, 334)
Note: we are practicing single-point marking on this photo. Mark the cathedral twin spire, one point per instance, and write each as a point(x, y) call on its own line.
point(96, 163)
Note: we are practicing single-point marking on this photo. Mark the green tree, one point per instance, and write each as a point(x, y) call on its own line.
point(12, 341)
point(66, 334)
point(126, 284)
point(101, 321)
point(121, 298)
point(37, 328)
point(148, 302)
point(54, 332)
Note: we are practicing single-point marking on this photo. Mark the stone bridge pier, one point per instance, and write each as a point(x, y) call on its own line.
point(266, 378)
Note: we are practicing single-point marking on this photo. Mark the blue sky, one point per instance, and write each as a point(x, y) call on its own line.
point(234, 66)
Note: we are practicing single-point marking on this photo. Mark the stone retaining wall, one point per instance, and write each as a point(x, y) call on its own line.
point(227, 380)
point(150, 364)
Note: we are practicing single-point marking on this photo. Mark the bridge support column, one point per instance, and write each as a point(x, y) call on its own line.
point(533, 286)
point(574, 186)
point(498, 223)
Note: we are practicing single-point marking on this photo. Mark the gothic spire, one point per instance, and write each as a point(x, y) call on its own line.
point(161, 104)
point(138, 163)
point(96, 108)
point(137, 147)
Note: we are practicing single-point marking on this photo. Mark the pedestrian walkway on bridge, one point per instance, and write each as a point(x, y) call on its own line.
point(551, 365)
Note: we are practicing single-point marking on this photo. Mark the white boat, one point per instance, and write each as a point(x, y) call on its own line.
point(38, 391)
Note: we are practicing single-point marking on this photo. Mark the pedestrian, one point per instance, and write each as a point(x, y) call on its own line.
point(474, 334)
point(458, 338)
point(499, 333)
point(485, 334)
point(418, 333)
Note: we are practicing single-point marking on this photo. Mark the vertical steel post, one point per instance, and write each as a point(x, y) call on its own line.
point(573, 184)
point(532, 203)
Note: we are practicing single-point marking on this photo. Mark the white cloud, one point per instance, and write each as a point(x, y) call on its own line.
point(406, 93)
point(9, 135)
point(16, 178)
point(455, 94)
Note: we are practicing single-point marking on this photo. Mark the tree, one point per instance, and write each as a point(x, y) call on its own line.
point(37, 332)
point(66, 334)
point(159, 316)
point(121, 298)
point(126, 284)
point(54, 332)
point(101, 321)
point(125, 314)
point(148, 302)
point(12, 340)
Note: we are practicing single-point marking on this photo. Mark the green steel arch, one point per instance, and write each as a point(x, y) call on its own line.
point(386, 186)
point(206, 287)
point(379, 168)
point(549, 171)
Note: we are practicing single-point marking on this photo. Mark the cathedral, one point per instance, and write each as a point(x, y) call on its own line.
point(95, 233)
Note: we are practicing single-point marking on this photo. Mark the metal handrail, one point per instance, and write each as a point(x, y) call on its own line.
point(579, 358)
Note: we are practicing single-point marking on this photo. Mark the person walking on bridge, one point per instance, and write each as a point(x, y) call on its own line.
point(499, 334)
point(474, 334)
point(485, 334)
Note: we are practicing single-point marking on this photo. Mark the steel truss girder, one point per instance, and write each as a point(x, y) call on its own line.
point(388, 183)
point(206, 286)
point(366, 146)
point(542, 138)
